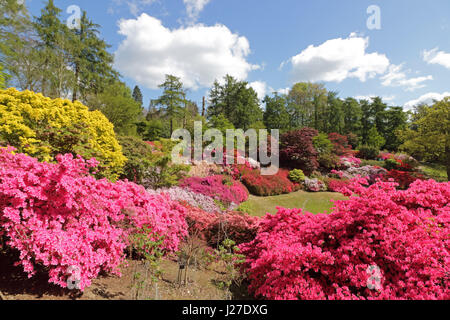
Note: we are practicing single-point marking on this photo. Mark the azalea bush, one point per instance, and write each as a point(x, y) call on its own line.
point(314, 185)
point(403, 178)
point(216, 227)
point(267, 185)
point(59, 216)
point(190, 198)
point(336, 185)
point(402, 234)
point(221, 188)
point(43, 128)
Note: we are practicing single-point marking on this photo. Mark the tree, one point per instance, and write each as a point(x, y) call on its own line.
point(118, 105)
point(395, 120)
point(428, 137)
point(173, 99)
point(90, 60)
point(137, 95)
point(276, 115)
point(306, 101)
point(374, 139)
point(220, 123)
point(18, 41)
point(54, 48)
point(352, 116)
point(237, 101)
point(2, 78)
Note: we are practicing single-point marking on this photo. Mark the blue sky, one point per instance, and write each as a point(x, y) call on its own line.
point(406, 61)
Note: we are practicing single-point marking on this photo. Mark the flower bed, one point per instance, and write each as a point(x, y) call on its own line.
point(60, 217)
point(219, 187)
point(402, 235)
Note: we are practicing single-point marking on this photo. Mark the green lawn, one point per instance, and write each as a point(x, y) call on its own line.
point(315, 202)
point(435, 171)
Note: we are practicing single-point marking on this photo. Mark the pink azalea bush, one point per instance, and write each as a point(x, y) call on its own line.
point(221, 188)
point(60, 217)
point(314, 185)
point(402, 233)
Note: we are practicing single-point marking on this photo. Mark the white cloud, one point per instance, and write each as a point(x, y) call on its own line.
point(338, 59)
point(197, 54)
point(427, 98)
point(370, 96)
point(261, 88)
point(194, 7)
point(284, 90)
point(434, 56)
point(396, 77)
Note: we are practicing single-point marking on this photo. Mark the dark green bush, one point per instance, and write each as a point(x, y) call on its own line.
point(368, 152)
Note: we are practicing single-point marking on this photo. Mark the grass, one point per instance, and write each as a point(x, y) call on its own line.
point(435, 171)
point(317, 202)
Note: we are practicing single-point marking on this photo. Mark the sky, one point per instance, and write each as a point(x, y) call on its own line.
point(395, 49)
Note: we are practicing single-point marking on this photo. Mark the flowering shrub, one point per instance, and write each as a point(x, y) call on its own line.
point(190, 198)
point(59, 216)
point(403, 178)
point(336, 185)
point(348, 162)
point(297, 150)
point(298, 255)
point(219, 187)
point(267, 185)
point(43, 128)
point(216, 227)
point(314, 185)
point(366, 171)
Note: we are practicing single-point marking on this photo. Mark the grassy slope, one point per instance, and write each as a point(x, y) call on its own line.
point(435, 171)
point(312, 202)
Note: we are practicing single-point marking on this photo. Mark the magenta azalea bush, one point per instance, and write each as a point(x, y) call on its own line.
point(60, 217)
point(405, 235)
point(221, 188)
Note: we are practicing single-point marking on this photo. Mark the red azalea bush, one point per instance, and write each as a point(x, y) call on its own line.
point(404, 234)
point(403, 178)
point(297, 150)
point(59, 216)
point(336, 185)
point(267, 185)
point(219, 187)
point(341, 146)
point(216, 227)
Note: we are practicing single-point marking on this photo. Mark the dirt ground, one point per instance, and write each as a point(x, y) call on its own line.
point(15, 285)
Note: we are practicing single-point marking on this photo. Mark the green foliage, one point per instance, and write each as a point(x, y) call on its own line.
point(368, 152)
point(374, 139)
point(118, 105)
point(245, 207)
point(2, 78)
point(328, 161)
point(235, 100)
point(173, 99)
point(296, 175)
point(140, 157)
point(229, 255)
point(276, 115)
point(221, 123)
point(390, 164)
point(375, 163)
point(322, 144)
point(137, 96)
point(428, 137)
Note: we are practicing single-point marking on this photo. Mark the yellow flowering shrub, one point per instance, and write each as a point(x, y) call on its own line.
point(43, 128)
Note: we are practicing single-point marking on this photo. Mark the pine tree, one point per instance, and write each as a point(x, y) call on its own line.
point(137, 95)
point(173, 99)
point(90, 60)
